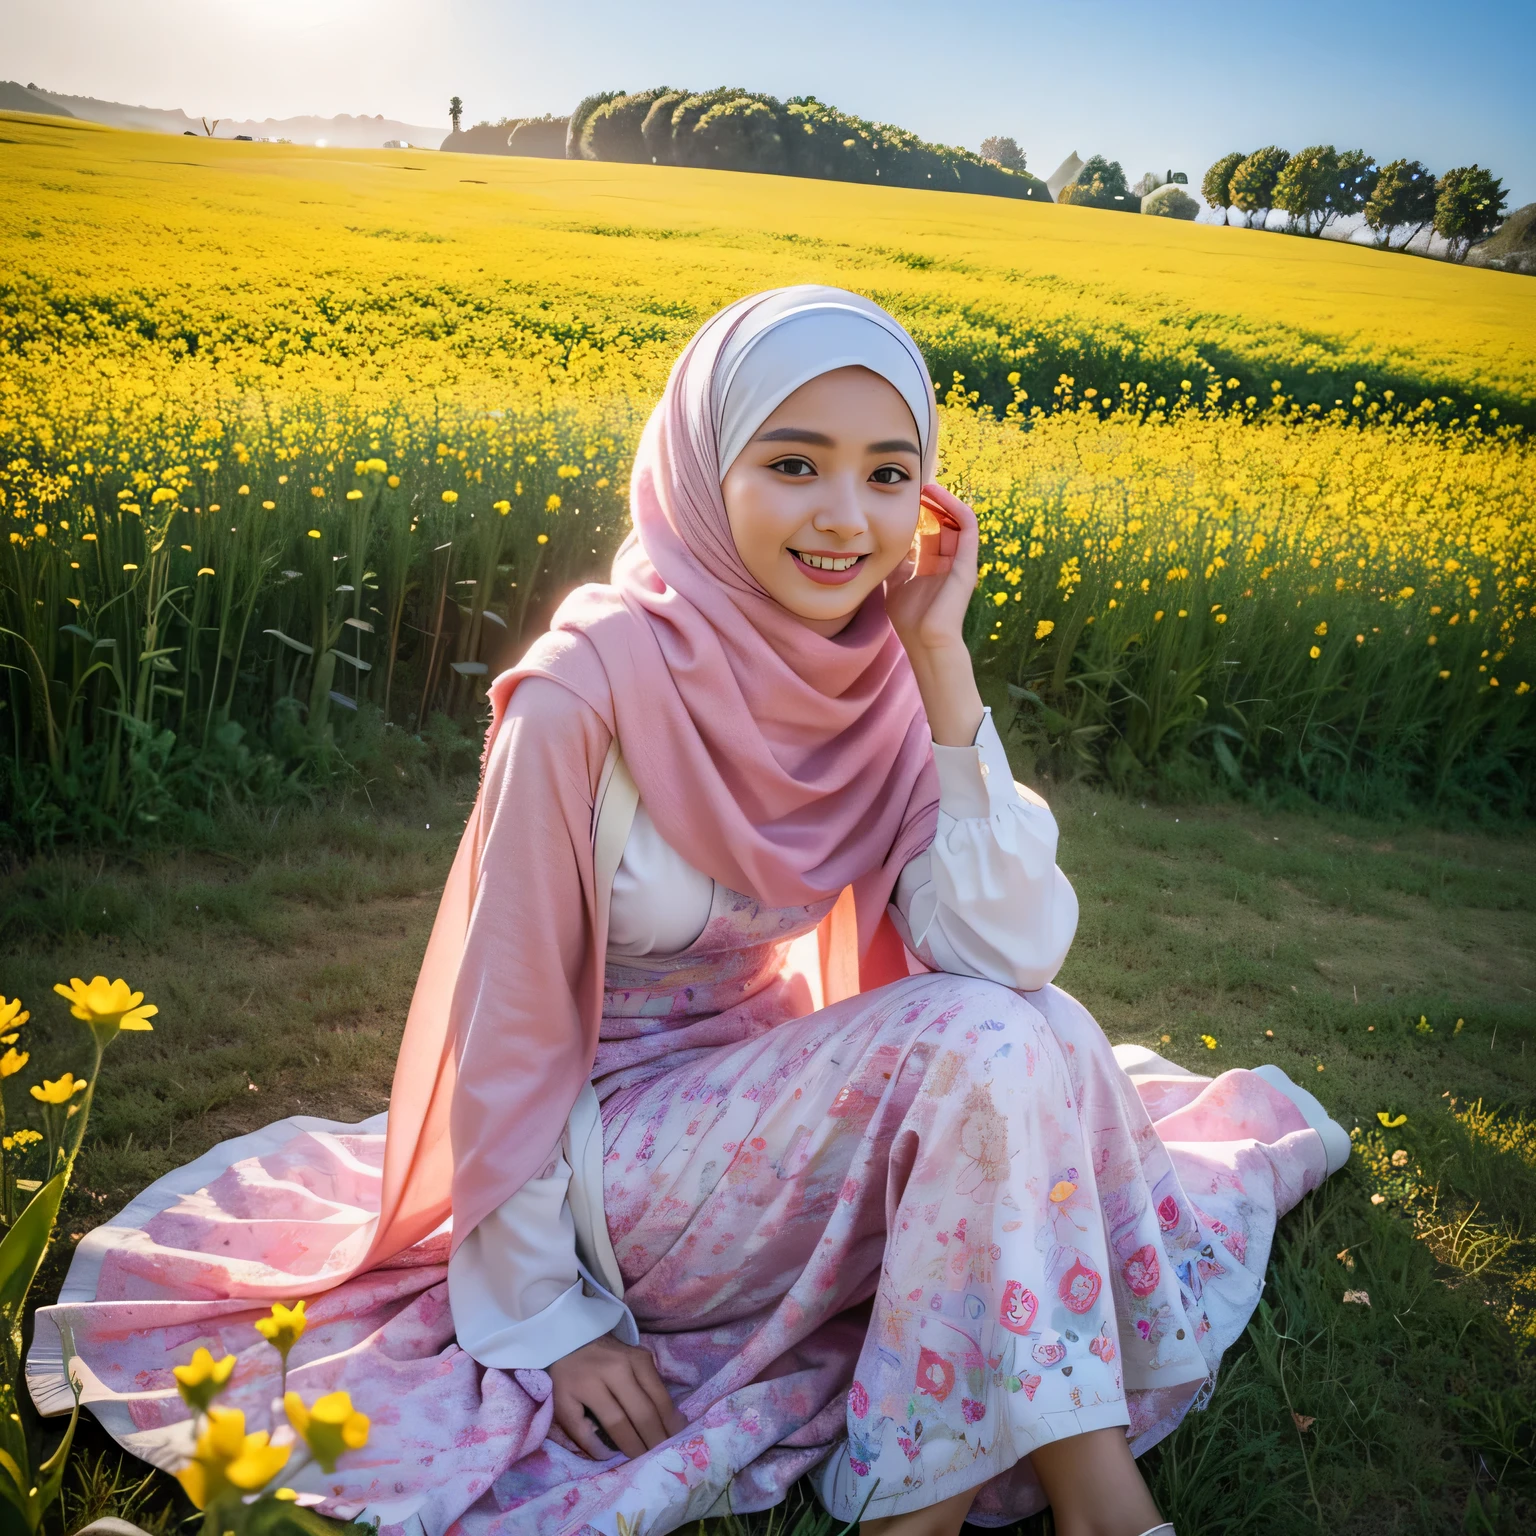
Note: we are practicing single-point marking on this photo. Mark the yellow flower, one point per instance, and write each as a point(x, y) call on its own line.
point(1322, 629)
point(207, 570)
point(1209, 1042)
point(244, 490)
point(543, 538)
point(107, 1006)
point(450, 497)
point(12, 1014)
point(226, 1457)
point(130, 567)
point(354, 495)
point(13, 1061)
point(552, 503)
point(330, 1429)
point(501, 506)
point(21, 1140)
point(284, 1328)
point(1315, 652)
point(317, 491)
point(1391, 1121)
point(394, 482)
point(60, 1091)
point(375, 466)
point(202, 1379)
point(314, 533)
point(1043, 628)
point(267, 506)
point(41, 530)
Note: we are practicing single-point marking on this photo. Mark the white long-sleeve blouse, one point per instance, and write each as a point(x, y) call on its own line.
point(985, 899)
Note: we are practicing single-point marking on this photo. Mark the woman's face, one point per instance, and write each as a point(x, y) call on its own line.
point(823, 501)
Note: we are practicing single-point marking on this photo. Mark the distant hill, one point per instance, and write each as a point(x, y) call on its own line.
point(17, 98)
point(1512, 246)
point(343, 131)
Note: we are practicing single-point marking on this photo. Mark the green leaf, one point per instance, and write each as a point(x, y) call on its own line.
point(78, 633)
point(469, 668)
point(298, 645)
point(354, 661)
point(1229, 764)
point(23, 1247)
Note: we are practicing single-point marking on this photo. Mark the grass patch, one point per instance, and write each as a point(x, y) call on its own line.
point(283, 956)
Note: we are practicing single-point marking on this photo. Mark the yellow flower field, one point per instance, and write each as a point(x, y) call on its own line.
point(295, 439)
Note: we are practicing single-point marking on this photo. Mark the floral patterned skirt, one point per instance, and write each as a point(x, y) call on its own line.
point(898, 1244)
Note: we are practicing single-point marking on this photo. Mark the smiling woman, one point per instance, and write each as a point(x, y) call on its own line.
point(737, 1118)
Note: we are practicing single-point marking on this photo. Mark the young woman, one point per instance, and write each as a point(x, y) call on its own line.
point(738, 1132)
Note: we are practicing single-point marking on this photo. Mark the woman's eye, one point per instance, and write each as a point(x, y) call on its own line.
point(890, 474)
point(794, 465)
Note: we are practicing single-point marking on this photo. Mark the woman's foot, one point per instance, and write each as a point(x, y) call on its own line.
point(942, 1519)
point(1094, 1487)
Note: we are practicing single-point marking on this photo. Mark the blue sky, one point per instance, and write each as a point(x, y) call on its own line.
point(1154, 86)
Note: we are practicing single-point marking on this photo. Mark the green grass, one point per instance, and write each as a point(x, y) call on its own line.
point(283, 956)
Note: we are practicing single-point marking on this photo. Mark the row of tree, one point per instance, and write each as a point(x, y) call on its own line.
point(1399, 200)
point(738, 130)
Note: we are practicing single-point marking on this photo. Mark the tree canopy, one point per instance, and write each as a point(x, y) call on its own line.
point(1468, 207)
point(1004, 151)
point(730, 128)
point(1306, 186)
point(1216, 189)
point(1101, 184)
point(1253, 182)
point(1403, 199)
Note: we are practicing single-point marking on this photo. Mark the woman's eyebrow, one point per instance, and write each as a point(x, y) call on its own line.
point(796, 435)
point(894, 445)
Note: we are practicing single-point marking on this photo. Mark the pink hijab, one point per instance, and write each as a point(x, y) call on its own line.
point(782, 763)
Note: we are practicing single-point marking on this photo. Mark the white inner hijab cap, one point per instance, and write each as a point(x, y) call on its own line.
point(799, 334)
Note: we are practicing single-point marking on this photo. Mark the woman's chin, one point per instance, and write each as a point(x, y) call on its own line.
point(827, 608)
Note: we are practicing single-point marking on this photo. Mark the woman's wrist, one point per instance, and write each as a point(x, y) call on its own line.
point(947, 682)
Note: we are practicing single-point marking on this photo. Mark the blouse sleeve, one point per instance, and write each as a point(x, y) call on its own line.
point(986, 899)
point(521, 1298)
point(519, 1294)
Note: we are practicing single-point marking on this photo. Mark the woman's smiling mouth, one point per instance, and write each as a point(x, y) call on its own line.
point(828, 568)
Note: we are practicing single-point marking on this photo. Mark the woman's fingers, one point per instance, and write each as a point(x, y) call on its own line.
point(610, 1413)
point(572, 1418)
point(643, 1415)
point(959, 535)
point(655, 1388)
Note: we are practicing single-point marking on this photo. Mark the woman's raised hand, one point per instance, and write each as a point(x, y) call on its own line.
point(620, 1387)
point(926, 597)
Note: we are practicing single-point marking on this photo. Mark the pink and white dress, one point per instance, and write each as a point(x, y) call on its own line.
point(896, 1243)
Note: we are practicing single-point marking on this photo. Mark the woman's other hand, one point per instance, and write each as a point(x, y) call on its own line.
point(926, 597)
point(620, 1387)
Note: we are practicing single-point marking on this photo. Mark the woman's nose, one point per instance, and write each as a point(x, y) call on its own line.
point(841, 511)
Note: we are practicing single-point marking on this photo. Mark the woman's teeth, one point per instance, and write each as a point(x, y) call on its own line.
point(828, 562)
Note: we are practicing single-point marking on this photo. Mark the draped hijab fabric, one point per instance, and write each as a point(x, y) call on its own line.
point(783, 763)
